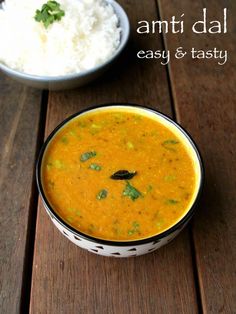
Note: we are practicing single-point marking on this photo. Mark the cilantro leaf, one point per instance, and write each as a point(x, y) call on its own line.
point(95, 167)
point(102, 194)
point(131, 191)
point(86, 156)
point(49, 13)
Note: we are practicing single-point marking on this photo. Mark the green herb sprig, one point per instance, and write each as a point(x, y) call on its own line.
point(131, 191)
point(102, 194)
point(49, 13)
point(135, 228)
point(172, 202)
point(86, 156)
point(95, 167)
point(168, 144)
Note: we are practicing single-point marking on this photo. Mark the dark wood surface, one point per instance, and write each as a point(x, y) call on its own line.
point(19, 128)
point(40, 270)
point(101, 285)
point(205, 102)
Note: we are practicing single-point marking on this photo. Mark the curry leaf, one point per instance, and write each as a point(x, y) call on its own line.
point(123, 175)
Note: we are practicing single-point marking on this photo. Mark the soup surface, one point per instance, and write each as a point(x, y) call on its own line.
point(119, 174)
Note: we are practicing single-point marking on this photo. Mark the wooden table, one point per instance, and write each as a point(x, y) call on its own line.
point(40, 270)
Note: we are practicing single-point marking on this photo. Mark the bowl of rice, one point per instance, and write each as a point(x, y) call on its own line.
point(60, 45)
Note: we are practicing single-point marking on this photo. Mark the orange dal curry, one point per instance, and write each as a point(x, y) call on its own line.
point(119, 174)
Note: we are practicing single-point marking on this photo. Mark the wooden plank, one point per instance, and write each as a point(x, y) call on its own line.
point(204, 95)
point(20, 115)
point(67, 279)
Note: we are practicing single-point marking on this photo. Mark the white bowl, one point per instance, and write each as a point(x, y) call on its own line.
point(76, 79)
point(123, 248)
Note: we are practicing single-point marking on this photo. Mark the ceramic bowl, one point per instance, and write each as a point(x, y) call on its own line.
point(77, 79)
point(123, 248)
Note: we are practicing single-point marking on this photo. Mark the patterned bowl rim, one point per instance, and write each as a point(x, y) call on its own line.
point(155, 238)
point(122, 16)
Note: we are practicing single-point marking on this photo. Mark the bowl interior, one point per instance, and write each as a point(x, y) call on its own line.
point(176, 129)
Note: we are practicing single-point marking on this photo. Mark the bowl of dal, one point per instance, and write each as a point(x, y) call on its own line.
point(119, 180)
point(79, 45)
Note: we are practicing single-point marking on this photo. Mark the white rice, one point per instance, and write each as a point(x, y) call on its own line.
point(87, 36)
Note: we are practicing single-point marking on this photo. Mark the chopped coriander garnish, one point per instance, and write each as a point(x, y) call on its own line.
point(130, 232)
point(131, 192)
point(82, 124)
point(102, 194)
point(95, 167)
point(169, 178)
point(172, 201)
point(136, 225)
point(49, 13)
point(87, 155)
point(169, 143)
point(149, 188)
point(135, 228)
point(64, 140)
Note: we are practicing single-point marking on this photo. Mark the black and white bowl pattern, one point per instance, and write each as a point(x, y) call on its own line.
point(115, 248)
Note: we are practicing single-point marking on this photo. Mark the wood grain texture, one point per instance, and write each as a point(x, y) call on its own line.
point(204, 95)
point(20, 114)
point(67, 279)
